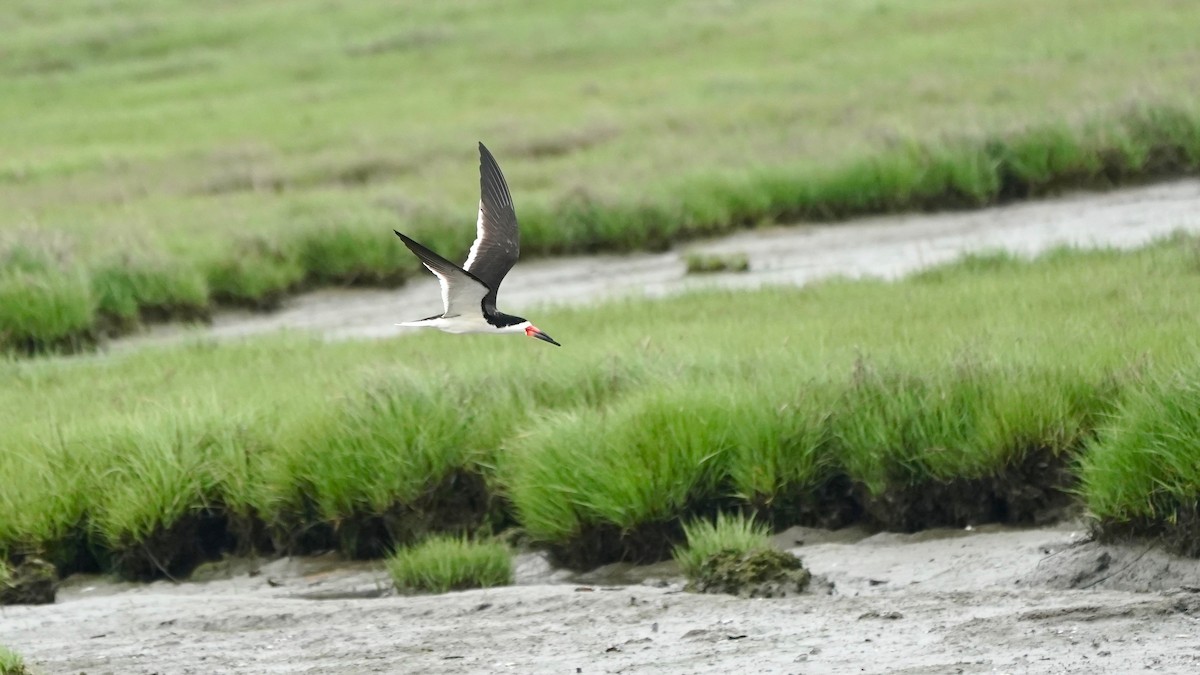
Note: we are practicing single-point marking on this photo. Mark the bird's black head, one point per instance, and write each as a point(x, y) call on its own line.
point(509, 323)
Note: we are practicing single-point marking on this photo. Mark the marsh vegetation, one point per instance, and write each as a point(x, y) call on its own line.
point(450, 563)
point(195, 158)
point(11, 663)
point(992, 389)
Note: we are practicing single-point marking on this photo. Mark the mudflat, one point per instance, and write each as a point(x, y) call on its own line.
point(992, 599)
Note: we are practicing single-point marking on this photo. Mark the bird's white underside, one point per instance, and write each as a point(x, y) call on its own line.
point(464, 323)
point(462, 303)
point(465, 296)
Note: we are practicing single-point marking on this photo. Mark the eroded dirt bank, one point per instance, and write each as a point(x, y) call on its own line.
point(946, 601)
point(887, 246)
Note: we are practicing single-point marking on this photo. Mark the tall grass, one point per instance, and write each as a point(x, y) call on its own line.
point(640, 461)
point(1143, 471)
point(442, 564)
point(11, 663)
point(724, 534)
point(962, 421)
point(239, 179)
point(377, 455)
point(131, 288)
point(982, 382)
point(45, 309)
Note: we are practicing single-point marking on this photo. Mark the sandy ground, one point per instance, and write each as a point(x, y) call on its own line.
point(993, 600)
point(887, 246)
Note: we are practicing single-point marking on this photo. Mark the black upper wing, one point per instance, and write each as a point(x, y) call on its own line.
point(497, 240)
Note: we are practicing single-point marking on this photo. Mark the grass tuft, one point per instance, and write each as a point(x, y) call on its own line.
point(354, 256)
point(258, 274)
point(641, 460)
point(1145, 463)
point(129, 290)
point(900, 430)
point(734, 555)
point(388, 458)
point(46, 312)
point(11, 663)
point(726, 533)
point(698, 263)
point(446, 563)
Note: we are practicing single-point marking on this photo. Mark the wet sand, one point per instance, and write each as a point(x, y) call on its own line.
point(994, 600)
point(888, 247)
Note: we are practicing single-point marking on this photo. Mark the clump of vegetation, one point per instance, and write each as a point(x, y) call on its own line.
point(700, 263)
point(385, 460)
point(45, 310)
point(258, 273)
point(450, 563)
point(617, 457)
point(725, 533)
point(32, 582)
point(940, 446)
point(733, 555)
point(1142, 472)
point(130, 289)
point(11, 663)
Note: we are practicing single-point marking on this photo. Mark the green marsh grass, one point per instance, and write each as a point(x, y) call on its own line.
point(259, 273)
point(450, 563)
point(11, 663)
point(960, 421)
point(373, 453)
point(725, 533)
point(166, 470)
point(960, 374)
point(129, 289)
point(47, 309)
point(699, 263)
point(240, 178)
point(640, 461)
point(1143, 470)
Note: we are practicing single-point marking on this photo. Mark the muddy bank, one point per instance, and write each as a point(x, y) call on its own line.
point(943, 601)
point(888, 246)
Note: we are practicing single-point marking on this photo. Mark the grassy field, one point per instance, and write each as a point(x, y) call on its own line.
point(992, 389)
point(162, 157)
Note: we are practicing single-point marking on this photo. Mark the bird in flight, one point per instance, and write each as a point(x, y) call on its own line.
point(469, 292)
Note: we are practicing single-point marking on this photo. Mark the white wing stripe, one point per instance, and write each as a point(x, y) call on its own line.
point(445, 283)
point(478, 239)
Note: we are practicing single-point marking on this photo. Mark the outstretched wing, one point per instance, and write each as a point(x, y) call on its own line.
point(497, 240)
point(462, 292)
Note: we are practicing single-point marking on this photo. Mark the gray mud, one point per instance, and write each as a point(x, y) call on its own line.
point(888, 247)
point(994, 600)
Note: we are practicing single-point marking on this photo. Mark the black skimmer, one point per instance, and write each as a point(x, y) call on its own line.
point(469, 292)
